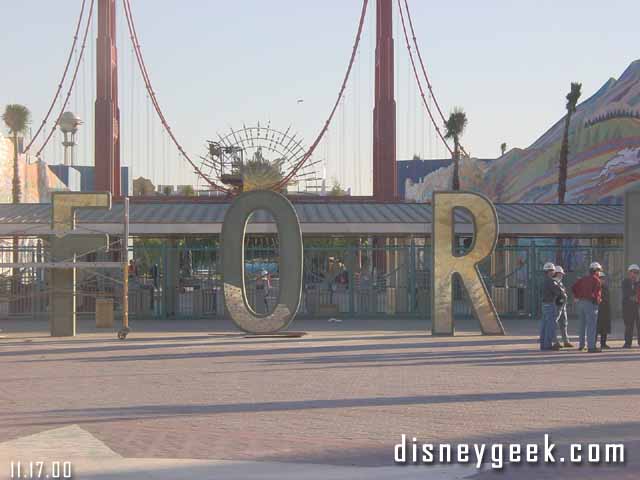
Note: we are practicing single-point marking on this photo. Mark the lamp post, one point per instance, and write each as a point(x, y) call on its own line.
point(68, 124)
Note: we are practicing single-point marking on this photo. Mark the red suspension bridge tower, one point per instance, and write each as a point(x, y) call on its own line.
point(107, 112)
point(384, 109)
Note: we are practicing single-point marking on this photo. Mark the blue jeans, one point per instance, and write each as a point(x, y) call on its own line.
point(548, 326)
point(563, 323)
point(588, 322)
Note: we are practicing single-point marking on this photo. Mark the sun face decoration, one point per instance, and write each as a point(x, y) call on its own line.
point(257, 158)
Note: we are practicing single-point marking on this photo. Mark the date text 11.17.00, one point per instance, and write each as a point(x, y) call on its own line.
point(39, 470)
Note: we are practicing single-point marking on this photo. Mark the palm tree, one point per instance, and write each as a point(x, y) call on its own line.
point(188, 191)
point(259, 173)
point(16, 118)
point(572, 102)
point(337, 190)
point(503, 148)
point(455, 126)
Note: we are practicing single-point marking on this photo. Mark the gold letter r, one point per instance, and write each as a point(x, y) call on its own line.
point(446, 262)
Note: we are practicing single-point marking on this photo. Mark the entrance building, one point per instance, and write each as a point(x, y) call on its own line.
point(175, 250)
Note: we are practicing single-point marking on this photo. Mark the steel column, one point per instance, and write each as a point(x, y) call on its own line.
point(384, 111)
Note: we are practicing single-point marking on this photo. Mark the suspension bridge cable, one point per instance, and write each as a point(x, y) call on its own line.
point(64, 76)
point(371, 84)
point(74, 95)
point(414, 123)
point(73, 79)
point(132, 94)
point(123, 94)
point(424, 70)
point(145, 76)
point(148, 142)
point(313, 146)
point(343, 142)
point(423, 147)
point(408, 107)
point(164, 157)
point(356, 121)
point(415, 72)
point(85, 144)
point(94, 92)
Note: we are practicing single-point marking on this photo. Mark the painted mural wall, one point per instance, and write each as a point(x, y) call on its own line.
point(604, 155)
point(37, 180)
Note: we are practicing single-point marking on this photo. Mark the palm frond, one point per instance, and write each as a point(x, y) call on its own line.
point(456, 123)
point(16, 117)
point(573, 96)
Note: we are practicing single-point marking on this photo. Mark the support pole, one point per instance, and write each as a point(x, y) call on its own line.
point(122, 334)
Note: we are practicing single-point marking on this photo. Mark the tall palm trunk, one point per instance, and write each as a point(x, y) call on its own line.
point(564, 161)
point(15, 198)
point(15, 190)
point(455, 182)
point(562, 180)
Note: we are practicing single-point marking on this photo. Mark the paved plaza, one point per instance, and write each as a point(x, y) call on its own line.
point(198, 399)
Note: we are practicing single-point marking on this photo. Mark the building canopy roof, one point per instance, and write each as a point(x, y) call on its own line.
point(334, 218)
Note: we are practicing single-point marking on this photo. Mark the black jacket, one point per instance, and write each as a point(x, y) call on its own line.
point(629, 306)
point(604, 312)
point(551, 291)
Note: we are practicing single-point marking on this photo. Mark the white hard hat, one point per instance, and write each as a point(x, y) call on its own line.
point(548, 266)
point(559, 269)
point(595, 266)
point(634, 268)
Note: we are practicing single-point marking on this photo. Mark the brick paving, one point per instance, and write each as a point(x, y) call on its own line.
point(341, 395)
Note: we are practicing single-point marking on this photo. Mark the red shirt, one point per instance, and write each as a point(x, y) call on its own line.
point(588, 287)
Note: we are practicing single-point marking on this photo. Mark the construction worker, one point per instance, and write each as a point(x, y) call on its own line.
point(604, 314)
point(563, 321)
point(263, 286)
point(630, 288)
point(588, 294)
point(550, 293)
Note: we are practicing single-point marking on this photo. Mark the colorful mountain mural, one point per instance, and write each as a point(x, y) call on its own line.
point(604, 155)
point(36, 179)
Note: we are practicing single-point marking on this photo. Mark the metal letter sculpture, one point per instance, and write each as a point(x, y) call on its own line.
point(290, 261)
point(446, 262)
point(64, 247)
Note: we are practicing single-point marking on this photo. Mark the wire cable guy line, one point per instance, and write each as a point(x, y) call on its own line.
point(145, 77)
point(313, 146)
point(73, 79)
point(415, 72)
point(61, 83)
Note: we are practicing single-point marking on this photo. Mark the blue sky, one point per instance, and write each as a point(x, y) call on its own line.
point(216, 64)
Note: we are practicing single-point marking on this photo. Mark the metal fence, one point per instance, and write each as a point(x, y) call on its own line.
point(185, 282)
